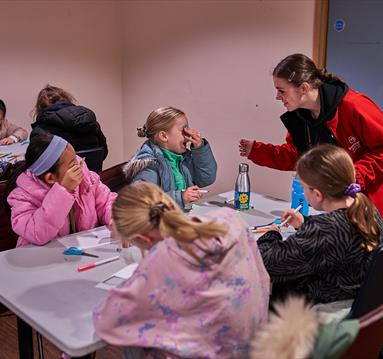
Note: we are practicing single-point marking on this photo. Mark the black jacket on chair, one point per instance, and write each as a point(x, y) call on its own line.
point(76, 124)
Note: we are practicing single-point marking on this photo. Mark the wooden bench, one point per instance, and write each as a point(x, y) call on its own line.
point(113, 177)
point(8, 238)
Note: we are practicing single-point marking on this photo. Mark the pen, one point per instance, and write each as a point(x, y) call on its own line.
point(260, 230)
point(229, 200)
point(96, 264)
point(253, 228)
point(199, 190)
point(290, 216)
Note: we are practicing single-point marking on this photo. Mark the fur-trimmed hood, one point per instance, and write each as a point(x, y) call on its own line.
point(144, 158)
point(290, 332)
point(297, 331)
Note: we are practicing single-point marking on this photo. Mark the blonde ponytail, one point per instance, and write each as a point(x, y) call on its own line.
point(183, 229)
point(142, 207)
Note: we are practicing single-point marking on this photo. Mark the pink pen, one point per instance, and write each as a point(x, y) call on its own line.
point(96, 264)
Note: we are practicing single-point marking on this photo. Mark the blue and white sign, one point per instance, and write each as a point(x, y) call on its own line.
point(339, 25)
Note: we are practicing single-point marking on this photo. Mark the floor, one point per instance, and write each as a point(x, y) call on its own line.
point(9, 349)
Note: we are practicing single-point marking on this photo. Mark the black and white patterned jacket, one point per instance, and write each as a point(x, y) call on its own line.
point(323, 260)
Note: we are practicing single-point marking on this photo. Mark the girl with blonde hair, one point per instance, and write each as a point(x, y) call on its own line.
point(167, 160)
point(326, 259)
point(200, 291)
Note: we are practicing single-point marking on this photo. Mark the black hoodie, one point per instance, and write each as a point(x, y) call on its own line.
point(306, 131)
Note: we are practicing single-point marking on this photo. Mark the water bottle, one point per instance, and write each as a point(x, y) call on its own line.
point(298, 197)
point(242, 188)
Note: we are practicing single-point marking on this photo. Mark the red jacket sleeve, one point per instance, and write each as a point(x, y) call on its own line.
point(281, 157)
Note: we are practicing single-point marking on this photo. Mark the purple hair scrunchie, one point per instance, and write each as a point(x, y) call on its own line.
point(352, 190)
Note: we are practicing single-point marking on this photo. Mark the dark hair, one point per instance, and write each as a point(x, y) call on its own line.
point(299, 68)
point(330, 169)
point(50, 95)
point(35, 149)
point(3, 109)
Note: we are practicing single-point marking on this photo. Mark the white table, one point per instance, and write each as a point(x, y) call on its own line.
point(14, 153)
point(43, 288)
point(265, 210)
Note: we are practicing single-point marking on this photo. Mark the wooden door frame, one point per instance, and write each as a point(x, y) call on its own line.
point(321, 14)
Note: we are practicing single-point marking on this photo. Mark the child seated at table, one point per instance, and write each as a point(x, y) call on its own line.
point(165, 160)
point(9, 133)
point(55, 194)
point(326, 259)
point(199, 292)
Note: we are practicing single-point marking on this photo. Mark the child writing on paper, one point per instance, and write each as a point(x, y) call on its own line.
point(165, 160)
point(199, 292)
point(56, 194)
point(326, 259)
point(9, 133)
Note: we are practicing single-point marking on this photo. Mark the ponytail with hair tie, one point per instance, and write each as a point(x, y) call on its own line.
point(352, 190)
point(142, 132)
point(156, 211)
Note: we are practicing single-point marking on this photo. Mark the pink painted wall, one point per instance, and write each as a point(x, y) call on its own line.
point(213, 59)
point(75, 45)
point(123, 59)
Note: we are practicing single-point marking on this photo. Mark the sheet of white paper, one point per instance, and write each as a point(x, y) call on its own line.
point(87, 239)
point(102, 232)
point(118, 277)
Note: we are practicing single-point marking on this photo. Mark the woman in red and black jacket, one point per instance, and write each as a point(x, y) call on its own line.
point(323, 109)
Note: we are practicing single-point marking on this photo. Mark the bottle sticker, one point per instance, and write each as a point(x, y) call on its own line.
point(242, 200)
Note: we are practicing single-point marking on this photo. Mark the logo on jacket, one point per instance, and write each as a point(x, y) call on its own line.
point(355, 144)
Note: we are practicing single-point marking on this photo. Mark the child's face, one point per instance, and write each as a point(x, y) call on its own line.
point(313, 196)
point(176, 141)
point(67, 160)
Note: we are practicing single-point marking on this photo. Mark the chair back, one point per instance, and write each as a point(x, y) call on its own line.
point(369, 341)
point(93, 158)
point(113, 177)
point(8, 238)
point(370, 295)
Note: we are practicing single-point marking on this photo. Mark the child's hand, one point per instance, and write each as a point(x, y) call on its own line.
point(191, 194)
point(245, 147)
point(296, 219)
point(193, 136)
point(72, 178)
point(7, 141)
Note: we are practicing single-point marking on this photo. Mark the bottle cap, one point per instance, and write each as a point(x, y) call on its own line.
point(277, 220)
point(243, 167)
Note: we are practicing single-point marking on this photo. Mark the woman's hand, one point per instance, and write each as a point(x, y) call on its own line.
point(245, 147)
point(191, 194)
point(72, 178)
point(193, 136)
point(296, 219)
point(7, 141)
